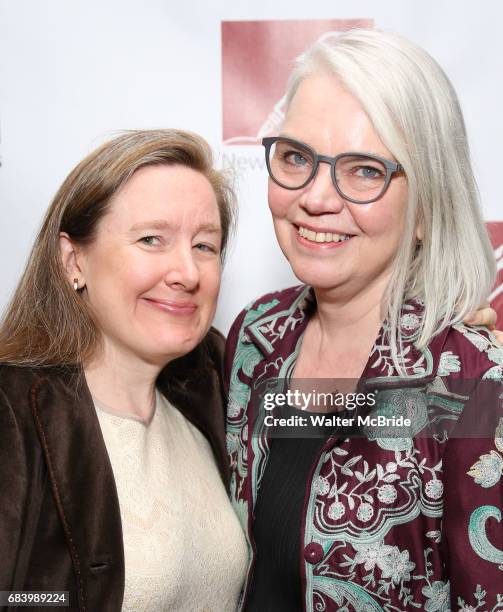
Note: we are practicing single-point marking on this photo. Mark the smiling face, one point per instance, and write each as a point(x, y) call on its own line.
point(152, 273)
point(325, 116)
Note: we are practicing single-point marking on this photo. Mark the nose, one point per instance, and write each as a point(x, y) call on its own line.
point(182, 273)
point(320, 196)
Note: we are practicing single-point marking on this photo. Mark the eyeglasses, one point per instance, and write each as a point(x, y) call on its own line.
point(358, 178)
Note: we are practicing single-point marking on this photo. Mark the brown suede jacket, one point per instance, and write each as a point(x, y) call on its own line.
point(60, 526)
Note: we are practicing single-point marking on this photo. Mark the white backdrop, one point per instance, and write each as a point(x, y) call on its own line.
point(73, 72)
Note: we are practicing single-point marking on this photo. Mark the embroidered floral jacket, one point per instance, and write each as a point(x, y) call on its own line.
point(411, 523)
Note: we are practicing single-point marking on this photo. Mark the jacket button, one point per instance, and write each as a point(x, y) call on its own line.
point(313, 553)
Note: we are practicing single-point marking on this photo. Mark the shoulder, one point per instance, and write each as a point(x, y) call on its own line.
point(473, 352)
point(22, 389)
point(18, 436)
point(16, 383)
point(12, 374)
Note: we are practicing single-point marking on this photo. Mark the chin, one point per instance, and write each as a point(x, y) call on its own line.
point(162, 347)
point(179, 343)
point(161, 356)
point(318, 277)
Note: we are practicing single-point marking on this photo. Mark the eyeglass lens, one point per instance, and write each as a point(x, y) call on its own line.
point(358, 177)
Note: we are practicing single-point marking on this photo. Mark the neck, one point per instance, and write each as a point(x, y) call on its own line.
point(122, 381)
point(340, 313)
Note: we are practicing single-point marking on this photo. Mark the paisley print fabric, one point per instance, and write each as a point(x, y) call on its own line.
point(390, 523)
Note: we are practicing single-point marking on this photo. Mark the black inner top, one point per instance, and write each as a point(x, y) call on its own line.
point(276, 584)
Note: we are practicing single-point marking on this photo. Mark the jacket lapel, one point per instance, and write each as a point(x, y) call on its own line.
point(278, 330)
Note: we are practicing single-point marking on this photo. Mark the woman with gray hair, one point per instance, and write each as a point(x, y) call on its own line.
point(396, 506)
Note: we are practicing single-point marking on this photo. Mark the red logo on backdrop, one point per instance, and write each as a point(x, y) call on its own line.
point(495, 229)
point(257, 57)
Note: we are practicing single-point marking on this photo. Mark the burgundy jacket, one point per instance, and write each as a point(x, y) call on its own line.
point(60, 525)
point(407, 522)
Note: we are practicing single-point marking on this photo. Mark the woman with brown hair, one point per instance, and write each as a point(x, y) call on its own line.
point(112, 452)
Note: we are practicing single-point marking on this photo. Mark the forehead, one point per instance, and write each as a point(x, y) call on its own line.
point(329, 118)
point(175, 193)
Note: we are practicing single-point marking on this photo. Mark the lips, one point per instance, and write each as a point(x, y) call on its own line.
point(174, 307)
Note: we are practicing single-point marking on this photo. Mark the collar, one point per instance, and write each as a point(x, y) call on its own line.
point(282, 325)
point(276, 333)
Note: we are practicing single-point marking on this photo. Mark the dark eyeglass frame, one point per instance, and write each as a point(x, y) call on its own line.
point(391, 166)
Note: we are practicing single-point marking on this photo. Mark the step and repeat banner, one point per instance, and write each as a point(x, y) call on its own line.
point(73, 74)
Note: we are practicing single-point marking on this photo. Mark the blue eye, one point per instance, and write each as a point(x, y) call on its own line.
point(206, 248)
point(150, 240)
point(369, 172)
point(296, 158)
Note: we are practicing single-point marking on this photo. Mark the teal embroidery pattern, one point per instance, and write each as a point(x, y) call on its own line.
point(380, 506)
point(448, 363)
point(246, 357)
point(488, 470)
point(479, 602)
point(437, 597)
point(485, 342)
point(478, 537)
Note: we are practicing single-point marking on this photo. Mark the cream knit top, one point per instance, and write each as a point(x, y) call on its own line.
point(184, 548)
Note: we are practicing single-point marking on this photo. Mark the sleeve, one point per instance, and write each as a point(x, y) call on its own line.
point(472, 523)
point(13, 483)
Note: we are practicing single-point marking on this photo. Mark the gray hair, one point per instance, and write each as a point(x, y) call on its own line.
point(414, 109)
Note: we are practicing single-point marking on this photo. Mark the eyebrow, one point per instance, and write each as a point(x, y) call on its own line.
point(390, 157)
point(161, 224)
point(283, 135)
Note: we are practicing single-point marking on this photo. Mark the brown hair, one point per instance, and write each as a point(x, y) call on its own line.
point(47, 323)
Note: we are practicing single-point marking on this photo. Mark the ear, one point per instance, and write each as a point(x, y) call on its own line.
point(70, 259)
